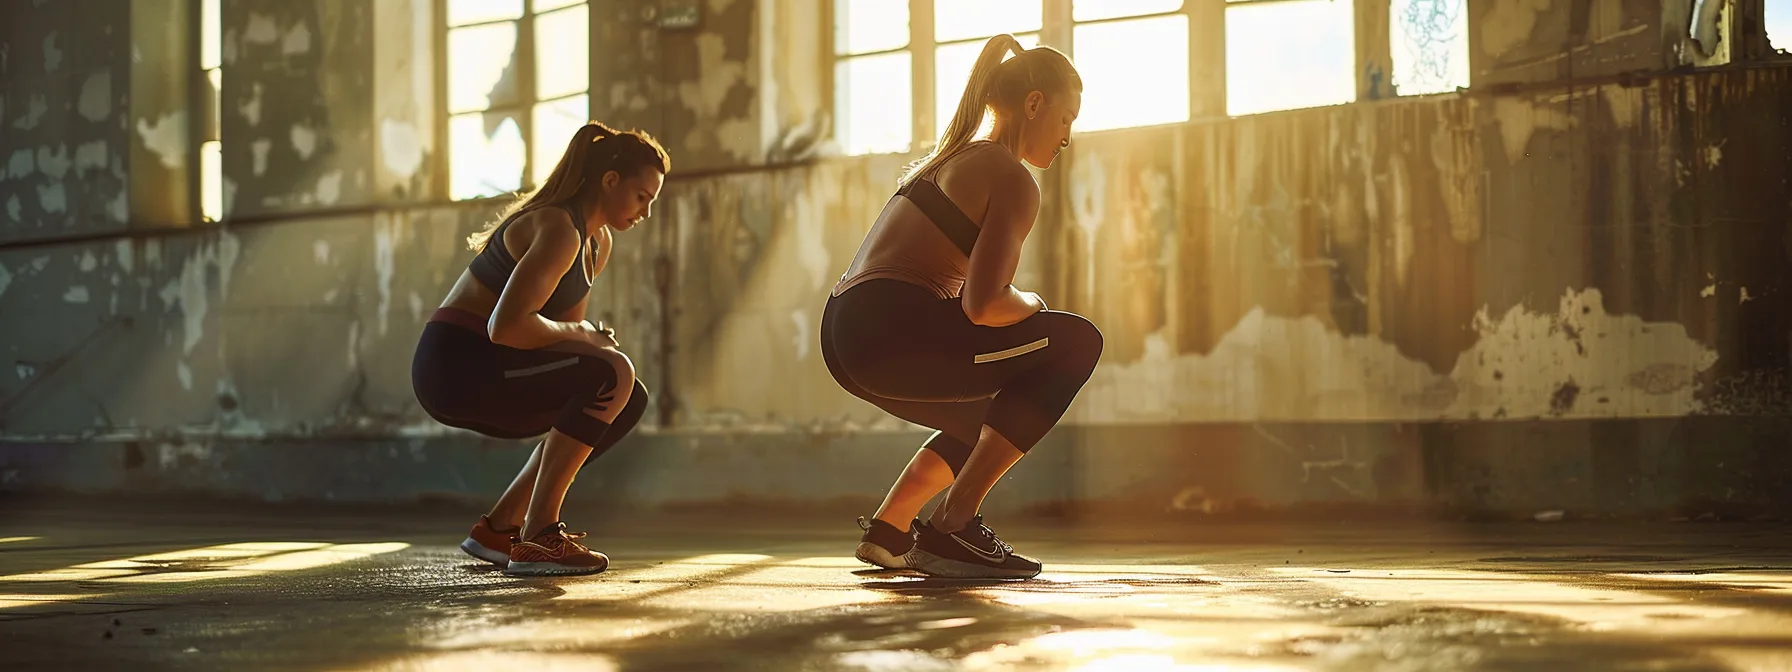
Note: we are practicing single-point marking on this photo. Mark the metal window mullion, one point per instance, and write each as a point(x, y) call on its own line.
point(196, 122)
point(440, 183)
point(921, 74)
point(526, 88)
point(1206, 58)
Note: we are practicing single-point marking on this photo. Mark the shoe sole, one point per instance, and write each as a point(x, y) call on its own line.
point(873, 554)
point(933, 565)
point(549, 569)
point(478, 550)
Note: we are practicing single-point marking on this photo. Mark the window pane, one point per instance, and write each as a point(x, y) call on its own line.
point(1093, 10)
point(486, 151)
point(862, 26)
point(548, 5)
point(1287, 55)
point(968, 19)
point(1119, 89)
point(952, 69)
point(555, 122)
point(481, 67)
point(1779, 23)
point(1429, 41)
point(873, 104)
point(211, 180)
point(463, 12)
point(562, 57)
point(214, 94)
point(210, 54)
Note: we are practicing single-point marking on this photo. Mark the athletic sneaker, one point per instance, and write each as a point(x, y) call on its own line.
point(974, 552)
point(884, 545)
point(488, 543)
point(552, 552)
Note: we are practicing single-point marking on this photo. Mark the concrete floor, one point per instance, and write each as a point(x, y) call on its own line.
point(140, 588)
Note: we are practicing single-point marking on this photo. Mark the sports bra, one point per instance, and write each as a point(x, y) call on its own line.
point(494, 265)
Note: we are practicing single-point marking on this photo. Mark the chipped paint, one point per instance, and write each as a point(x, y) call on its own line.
point(401, 149)
point(329, 188)
point(126, 254)
point(91, 156)
point(35, 108)
point(320, 251)
point(297, 41)
point(1520, 118)
point(53, 198)
point(383, 230)
point(21, 164)
point(717, 78)
point(251, 107)
point(75, 294)
point(5, 279)
point(258, 151)
point(87, 262)
point(1508, 24)
point(304, 141)
point(166, 137)
point(261, 29)
point(53, 162)
point(52, 54)
point(1523, 365)
point(96, 97)
point(13, 208)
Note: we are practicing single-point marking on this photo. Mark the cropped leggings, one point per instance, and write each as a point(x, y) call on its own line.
point(921, 359)
point(464, 380)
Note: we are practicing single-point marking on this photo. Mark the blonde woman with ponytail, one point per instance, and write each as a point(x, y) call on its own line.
point(509, 353)
point(927, 325)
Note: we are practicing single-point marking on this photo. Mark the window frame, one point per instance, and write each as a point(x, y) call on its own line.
point(522, 109)
point(206, 125)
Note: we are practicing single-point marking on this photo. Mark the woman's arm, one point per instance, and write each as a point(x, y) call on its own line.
point(989, 296)
point(553, 246)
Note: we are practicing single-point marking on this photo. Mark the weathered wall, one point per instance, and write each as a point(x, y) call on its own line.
point(65, 73)
point(1328, 305)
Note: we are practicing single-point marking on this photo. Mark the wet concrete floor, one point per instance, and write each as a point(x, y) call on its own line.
point(296, 590)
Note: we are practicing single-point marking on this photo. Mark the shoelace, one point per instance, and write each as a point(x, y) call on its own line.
point(991, 535)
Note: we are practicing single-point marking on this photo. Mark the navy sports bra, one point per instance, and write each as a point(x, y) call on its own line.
point(493, 266)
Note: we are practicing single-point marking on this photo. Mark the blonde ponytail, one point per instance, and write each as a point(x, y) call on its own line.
point(973, 105)
point(594, 150)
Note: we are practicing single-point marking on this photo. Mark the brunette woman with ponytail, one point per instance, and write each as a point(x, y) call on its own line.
point(927, 325)
point(509, 353)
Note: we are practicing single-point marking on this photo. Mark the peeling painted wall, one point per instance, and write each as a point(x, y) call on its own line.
point(297, 104)
point(1597, 251)
point(64, 128)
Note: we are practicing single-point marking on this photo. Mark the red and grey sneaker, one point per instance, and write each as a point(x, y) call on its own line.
point(974, 552)
point(489, 543)
point(884, 545)
point(552, 552)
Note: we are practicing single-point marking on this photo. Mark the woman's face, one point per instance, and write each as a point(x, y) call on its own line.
point(1046, 131)
point(625, 202)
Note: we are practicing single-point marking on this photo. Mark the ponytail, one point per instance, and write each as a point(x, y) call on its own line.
point(973, 105)
point(595, 149)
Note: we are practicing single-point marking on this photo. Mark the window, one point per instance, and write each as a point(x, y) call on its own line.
point(512, 107)
point(211, 146)
point(1429, 43)
point(1779, 23)
point(1287, 54)
point(1133, 56)
point(960, 28)
point(873, 98)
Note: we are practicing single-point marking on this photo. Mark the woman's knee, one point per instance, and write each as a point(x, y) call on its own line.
point(1081, 339)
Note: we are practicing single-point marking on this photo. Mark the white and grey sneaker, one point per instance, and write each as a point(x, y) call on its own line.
point(974, 552)
point(884, 545)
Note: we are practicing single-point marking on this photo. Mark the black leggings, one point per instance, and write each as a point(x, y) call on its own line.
point(921, 359)
point(464, 380)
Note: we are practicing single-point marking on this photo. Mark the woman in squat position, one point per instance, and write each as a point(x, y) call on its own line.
point(926, 324)
point(509, 353)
